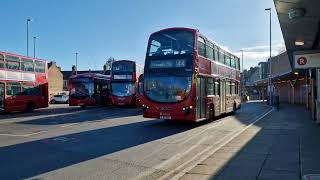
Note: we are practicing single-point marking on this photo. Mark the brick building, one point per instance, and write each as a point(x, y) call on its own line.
point(55, 78)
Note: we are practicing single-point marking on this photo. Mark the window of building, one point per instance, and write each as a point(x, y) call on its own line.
point(13, 88)
point(65, 84)
point(210, 50)
point(201, 47)
point(39, 66)
point(12, 62)
point(1, 61)
point(27, 65)
point(210, 87)
point(217, 87)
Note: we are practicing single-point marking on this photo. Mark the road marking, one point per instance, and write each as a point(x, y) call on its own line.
point(22, 135)
point(193, 162)
point(207, 149)
point(67, 125)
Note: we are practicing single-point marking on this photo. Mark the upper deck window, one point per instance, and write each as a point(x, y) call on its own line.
point(227, 60)
point(1, 61)
point(210, 52)
point(12, 62)
point(27, 65)
point(221, 57)
point(171, 42)
point(39, 66)
point(122, 66)
point(201, 47)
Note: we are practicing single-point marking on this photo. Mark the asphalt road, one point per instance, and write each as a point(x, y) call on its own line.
point(109, 143)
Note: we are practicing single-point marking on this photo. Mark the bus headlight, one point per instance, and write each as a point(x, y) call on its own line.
point(145, 106)
point(187, 108)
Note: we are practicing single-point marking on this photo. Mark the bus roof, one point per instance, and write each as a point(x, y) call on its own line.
point(22, 56)
point(90, 75)
point(132, 61)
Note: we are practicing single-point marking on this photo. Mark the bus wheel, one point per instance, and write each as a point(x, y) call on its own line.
point(30, 107)
point(82, 106)
point(211, 113)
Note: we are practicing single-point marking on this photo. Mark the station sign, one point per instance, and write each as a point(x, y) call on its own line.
point(307, 61)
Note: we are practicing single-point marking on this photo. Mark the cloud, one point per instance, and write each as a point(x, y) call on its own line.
point(253, 55)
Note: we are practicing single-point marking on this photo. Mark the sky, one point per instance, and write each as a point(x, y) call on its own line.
point(99, 29)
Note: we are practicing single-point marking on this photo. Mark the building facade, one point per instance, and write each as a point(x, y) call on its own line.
point(55, 78)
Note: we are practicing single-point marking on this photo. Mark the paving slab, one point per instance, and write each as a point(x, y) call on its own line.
point(283, 145)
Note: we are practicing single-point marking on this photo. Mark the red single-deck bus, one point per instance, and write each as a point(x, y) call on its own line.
point(124, 78)
point(23, 83)
point(188, 77)
point(89, 89)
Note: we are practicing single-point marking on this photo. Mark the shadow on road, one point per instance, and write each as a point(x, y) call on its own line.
point(33, 158)
point(29, 159)
point(87, 115)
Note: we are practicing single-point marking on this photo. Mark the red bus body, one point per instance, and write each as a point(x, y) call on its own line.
point(124, 79)
point(23, 83)
point(188, 77)
point(89, 89)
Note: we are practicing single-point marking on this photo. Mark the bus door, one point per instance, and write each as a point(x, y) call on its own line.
point(222, 96)
point(201, 98)
point(2, 97)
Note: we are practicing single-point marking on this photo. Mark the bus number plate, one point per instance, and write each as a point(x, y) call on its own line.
point(165, 117)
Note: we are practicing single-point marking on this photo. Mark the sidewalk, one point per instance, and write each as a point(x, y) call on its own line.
point(284, 145)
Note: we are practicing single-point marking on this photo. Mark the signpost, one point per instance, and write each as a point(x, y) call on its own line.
point(307, 61)
point(310, 60)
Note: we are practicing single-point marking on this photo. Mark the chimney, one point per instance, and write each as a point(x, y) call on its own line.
point(74, 69)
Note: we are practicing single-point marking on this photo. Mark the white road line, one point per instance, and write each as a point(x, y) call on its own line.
point(22, 135)
point(67, 125)
point(193, 162)
point(179, 155)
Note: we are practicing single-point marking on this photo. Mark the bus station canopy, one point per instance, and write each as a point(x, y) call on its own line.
point(300, 23)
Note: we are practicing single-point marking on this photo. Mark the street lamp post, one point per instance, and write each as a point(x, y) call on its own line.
point(270, 75)
point(76, 63)
point(243, 79)
point(28, 20)
point(34, 46)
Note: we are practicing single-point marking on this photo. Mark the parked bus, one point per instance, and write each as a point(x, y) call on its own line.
point(23, 83)
point(89, 89)
point(140, 90)
point(188, 77)
point(124, 78)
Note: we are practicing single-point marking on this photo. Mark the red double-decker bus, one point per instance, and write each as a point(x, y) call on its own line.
point(124, 79)
point(23, 83)
point(89, 89)
point(188, 77)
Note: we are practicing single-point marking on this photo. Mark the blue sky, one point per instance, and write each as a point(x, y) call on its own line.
point(98, 29)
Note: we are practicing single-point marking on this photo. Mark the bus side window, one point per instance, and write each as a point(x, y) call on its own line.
point(201, 47)
point(217, 87)
point(228, 87)
point(210, 50)
point(1, 61)
point(210, 87)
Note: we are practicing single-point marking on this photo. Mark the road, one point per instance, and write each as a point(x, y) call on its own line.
point(109, 143)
